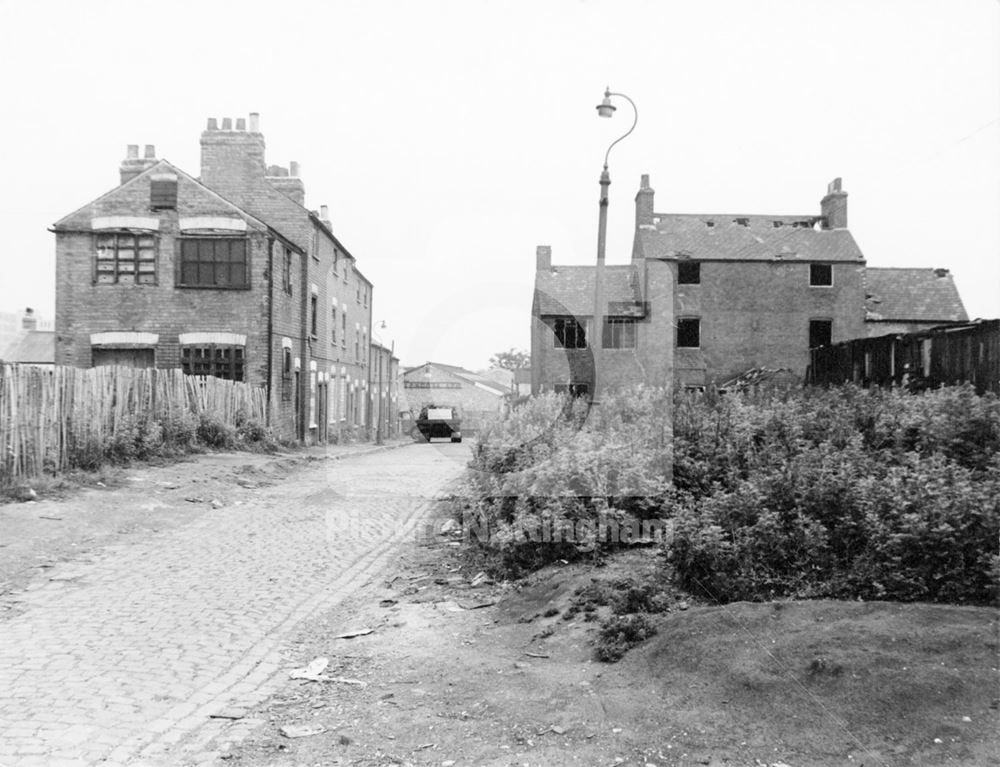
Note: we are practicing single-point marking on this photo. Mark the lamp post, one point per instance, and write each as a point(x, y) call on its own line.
point(604, 109)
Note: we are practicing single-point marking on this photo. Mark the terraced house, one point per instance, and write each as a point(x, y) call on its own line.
point(227, 275)
point(707, 298)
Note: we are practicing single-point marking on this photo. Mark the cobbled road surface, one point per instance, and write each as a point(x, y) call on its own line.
point(124, 660)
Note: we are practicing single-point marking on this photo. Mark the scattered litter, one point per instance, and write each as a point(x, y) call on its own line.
point(301, 730)
point(553, 728)
point(229, 713)
point(682, 605)
point(54, 519)
point(966, 718)
point(344, 680)
point(100, 484)
point(450, 527)
point(194, 499)
point(780, 764)
point(477, 605)
point(354, 633)
point(312, 671)
point(482, 579)
point(422, 746)
point(938, 740)
point(387, 603)
point(217, 504)
point(616, 730)
point(448, 763)
point(537, 654)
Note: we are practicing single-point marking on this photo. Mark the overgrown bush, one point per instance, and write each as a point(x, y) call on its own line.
point(847, 493)
point(619, 633)
point(214, 432)
point(554, 480)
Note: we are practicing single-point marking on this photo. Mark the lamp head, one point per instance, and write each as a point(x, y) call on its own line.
point(606, 108)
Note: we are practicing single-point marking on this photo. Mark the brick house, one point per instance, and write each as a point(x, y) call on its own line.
point(227, 275)
point(708, 297)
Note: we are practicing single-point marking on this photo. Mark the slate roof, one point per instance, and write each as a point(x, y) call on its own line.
point(33, 347)
point(565, 290)
point(926, 295)
point(742, 237)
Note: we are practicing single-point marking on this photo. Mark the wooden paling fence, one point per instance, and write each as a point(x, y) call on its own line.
point(45, 414)
point(968, 353)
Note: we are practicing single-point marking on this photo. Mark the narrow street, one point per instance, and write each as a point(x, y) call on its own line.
point(123, 656)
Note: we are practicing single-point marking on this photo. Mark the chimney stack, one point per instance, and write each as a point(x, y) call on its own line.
point(833, 207)
point(29, 321)
point(543, 258)
point(644, 203)
point(287, 181)
point(232, 162)
point(324, 215)
point(133, 165)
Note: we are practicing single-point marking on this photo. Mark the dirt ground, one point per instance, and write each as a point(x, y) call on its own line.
point(446, 668)
point(491, 674)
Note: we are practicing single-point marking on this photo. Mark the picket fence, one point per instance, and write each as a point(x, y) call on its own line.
point(46, 412)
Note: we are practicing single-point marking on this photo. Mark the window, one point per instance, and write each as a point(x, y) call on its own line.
point(286, 374)
point(343, 329)
point(821, 275)
point(573, 389)
point(313, 320)
point(213, 262)
point(689, 333)
point(688, 273)
point(286, 272)
point(820, 333)
point(125, 258)
point(619, 333)
point(213, 360)
point(570, 333)
point(163, 191)
point(333, 327)
point(364, 295)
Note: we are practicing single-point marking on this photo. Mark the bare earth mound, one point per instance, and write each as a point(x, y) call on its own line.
point(446, 678)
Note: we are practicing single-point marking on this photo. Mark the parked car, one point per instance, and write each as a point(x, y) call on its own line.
point(439, 421)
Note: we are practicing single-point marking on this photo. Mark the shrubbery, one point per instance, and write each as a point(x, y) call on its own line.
point(806, 493)
point(554, 481)
point(843, 493)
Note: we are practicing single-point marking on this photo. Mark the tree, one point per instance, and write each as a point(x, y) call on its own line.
point(512, 359)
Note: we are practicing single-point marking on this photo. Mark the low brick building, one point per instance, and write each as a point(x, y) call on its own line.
point(910, 300)
point(709, 297)
point(433, 383)
point(226, 275)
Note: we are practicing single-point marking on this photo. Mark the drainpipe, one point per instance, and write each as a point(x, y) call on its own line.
point(270, 325)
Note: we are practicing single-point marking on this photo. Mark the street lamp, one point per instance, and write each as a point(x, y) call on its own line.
point(604, 109)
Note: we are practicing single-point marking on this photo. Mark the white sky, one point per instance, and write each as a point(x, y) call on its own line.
point(451, 138)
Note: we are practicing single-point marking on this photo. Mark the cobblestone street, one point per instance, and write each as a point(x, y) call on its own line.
point(123, 658)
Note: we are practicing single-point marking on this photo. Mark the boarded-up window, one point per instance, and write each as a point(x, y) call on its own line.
point(163, 192)
point(125, 258)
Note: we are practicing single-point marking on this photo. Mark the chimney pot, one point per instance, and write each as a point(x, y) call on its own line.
point(150, 152)
point(241, 123)
point(293, 169)
point(644, 203)
point(644, 181)
point(213, 124)
point(324, 212)
point(227, 123)
point(29, 321)
point(255, 122)
point(543, 257)
point(132, 152)
point(941, 272)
